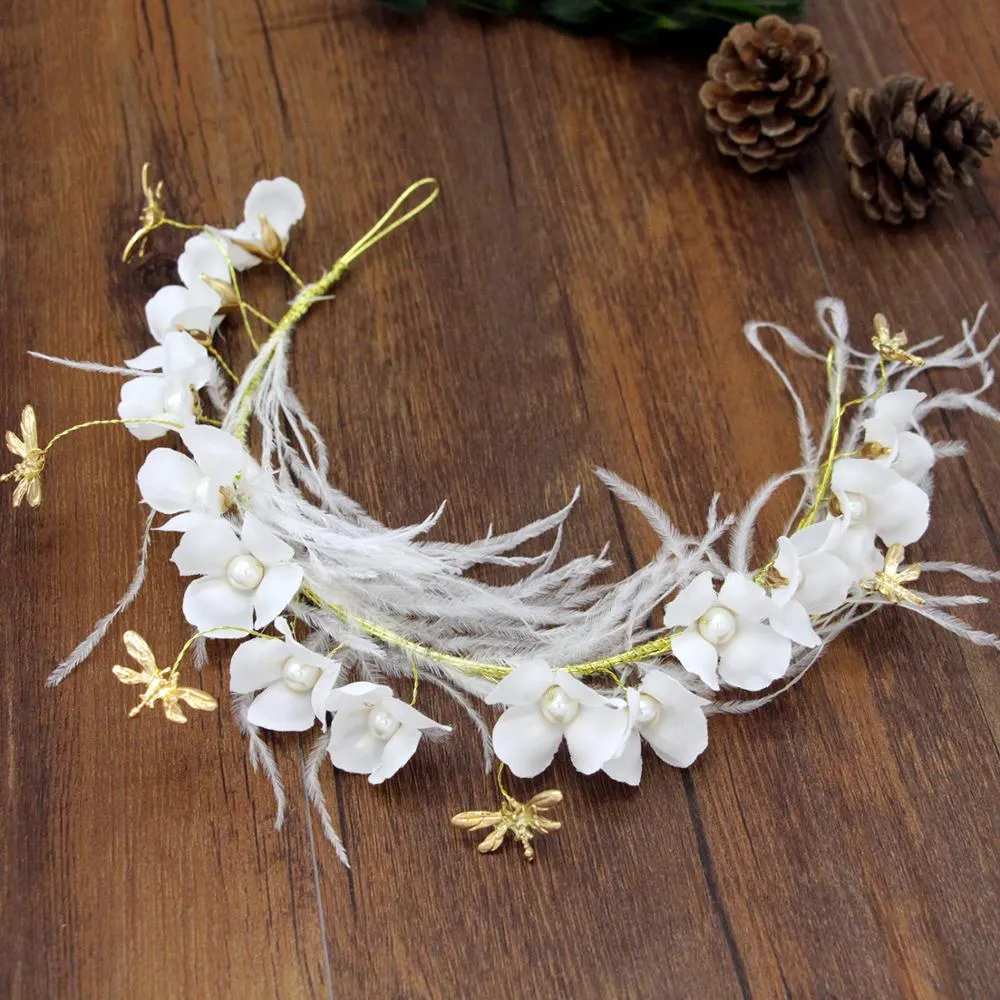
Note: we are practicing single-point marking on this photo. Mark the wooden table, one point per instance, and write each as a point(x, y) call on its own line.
point(575, 298)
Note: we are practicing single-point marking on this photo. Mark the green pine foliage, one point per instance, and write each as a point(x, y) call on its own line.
point(641, 22)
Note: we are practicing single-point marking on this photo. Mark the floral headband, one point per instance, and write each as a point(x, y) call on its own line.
point(341, 619)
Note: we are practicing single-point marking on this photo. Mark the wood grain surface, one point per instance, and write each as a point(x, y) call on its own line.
point(574, 298)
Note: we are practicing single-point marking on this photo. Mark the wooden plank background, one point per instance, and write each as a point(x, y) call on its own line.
point(574, 298)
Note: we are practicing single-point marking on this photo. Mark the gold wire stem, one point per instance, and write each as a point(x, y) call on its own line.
point(290, 271)
point(214, 351)
point(657, 647)
point(416, 683)
point(176, 667)
point(263, 317)
point(311, 293)
point(109, 423)
point(823, 490)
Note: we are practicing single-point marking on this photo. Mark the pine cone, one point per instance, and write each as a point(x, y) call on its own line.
point(768, 92)
point(906, 145)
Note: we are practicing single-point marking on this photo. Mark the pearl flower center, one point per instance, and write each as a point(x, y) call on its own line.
point(381, 723)
point(717, 625)
point(300, 677)
point(245, 572)
point(558, 707)
point(648, 710)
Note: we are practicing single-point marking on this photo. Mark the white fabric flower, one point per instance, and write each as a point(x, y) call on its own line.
point(203, 255)
point(219, 475)
point(546, 706)
point(877, 500)
point(192, 306)
point(281, 203)
point(175, 307)
point(669, 717)
point(910, 454)
point(175, 371)
point(293, 681)
point(817, 578)
point(245, 581)
point(372, 731)
point(725, 636)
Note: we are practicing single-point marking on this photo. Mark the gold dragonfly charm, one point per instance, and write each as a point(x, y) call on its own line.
point(890, 579)
point(27, 472)
point(892, 346)
point(161, 685)
point(522, 820)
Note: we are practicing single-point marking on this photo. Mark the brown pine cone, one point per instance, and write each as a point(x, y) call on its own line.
point(768, 92)
point(906, 145)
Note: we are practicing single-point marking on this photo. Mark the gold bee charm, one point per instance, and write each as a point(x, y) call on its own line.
point(161, 685)
point(892, 346)
point(522, 820)
point(27, 472)
point(889, 581)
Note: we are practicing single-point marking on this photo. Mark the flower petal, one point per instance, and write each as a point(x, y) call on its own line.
point(786, 563)
point(594, 736)
point(321, 691)
point(398, 749)
point(825, 583)
point(275, 592)
point(353, 747)
point(182, 353)
point(408, 716)
point(740, 594)
point(280, 201)
point(168, 481)
point(899, 514)
point(207, 549)
point(885, 434)
point(210, 603)
point(525, 741)
point(525, 684)
point(264, 543)
point(698, 656)
point(691, 603)
point(150, 360)
point(256, 664)
point(577, 690)
point(282, 710)
point(162, 309)
point(240, 258)
point(915, 457)
point(897, 407)
point(202, 255)
point(218, 454)
point(142, 399)
point(859, 475)
point(755, 657)
point(679, 733)
point(858, 552)
point(627, 766)
point(792, 621)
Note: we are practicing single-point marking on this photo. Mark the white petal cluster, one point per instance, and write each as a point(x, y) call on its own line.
point(219, 475)
point(191, 307)
point(738, 636)
point(910, 454)
point(372, 731)
point(244, 581)
point(272, 204)
point(173, 372)
point(546, 707)
point(293, 682)
point(667, 716)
